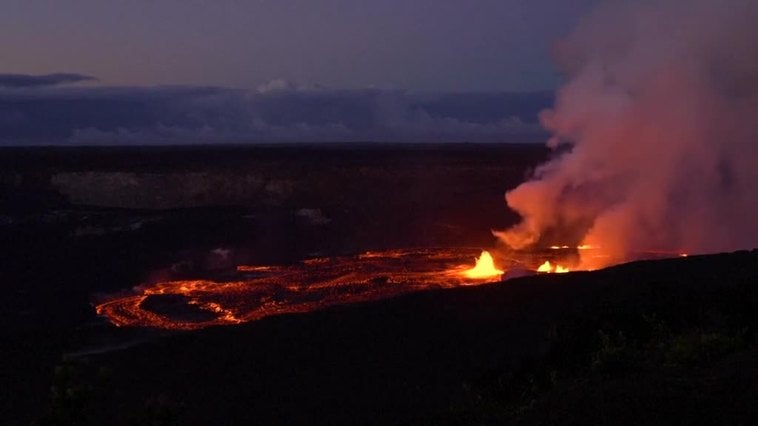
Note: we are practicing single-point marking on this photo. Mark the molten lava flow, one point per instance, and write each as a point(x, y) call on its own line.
point(253, 291)
point(548, 267)
point(484, 268)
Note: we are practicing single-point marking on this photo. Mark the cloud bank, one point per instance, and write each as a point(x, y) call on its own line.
point(276, 112)
point(24, 80)
point(655, 133)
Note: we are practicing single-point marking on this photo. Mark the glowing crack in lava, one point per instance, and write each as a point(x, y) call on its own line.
point(254, 292)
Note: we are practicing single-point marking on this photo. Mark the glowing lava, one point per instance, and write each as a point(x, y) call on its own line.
point(254, 291)
point(548, 267)
point(579, 247)
point(484, 268)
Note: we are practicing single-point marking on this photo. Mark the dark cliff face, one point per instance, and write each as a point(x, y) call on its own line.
point(273, 202)
point(164, 178)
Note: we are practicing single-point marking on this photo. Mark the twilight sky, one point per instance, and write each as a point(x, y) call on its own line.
point(423, 45)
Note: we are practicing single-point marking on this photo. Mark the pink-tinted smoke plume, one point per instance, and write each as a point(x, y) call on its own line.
point(655, 133)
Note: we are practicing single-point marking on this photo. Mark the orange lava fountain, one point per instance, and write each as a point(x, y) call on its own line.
point(550, 268)
point(254, 292)
point(484, 268)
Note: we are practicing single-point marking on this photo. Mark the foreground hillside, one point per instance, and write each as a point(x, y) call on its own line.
point(654, 342)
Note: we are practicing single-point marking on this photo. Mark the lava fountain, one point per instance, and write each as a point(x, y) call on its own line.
point(484, 268)
point(252, 292)
point(550, 268)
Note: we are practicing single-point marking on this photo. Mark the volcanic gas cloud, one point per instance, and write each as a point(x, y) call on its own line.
point(655, 134)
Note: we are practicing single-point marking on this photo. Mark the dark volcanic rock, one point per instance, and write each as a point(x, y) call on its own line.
point(651, 342)
point(663, 342)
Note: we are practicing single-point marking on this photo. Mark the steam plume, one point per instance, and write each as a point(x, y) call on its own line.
point(655, 133)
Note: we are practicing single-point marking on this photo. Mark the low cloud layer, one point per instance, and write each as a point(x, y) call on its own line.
point(25, 80)
point(279, 112)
